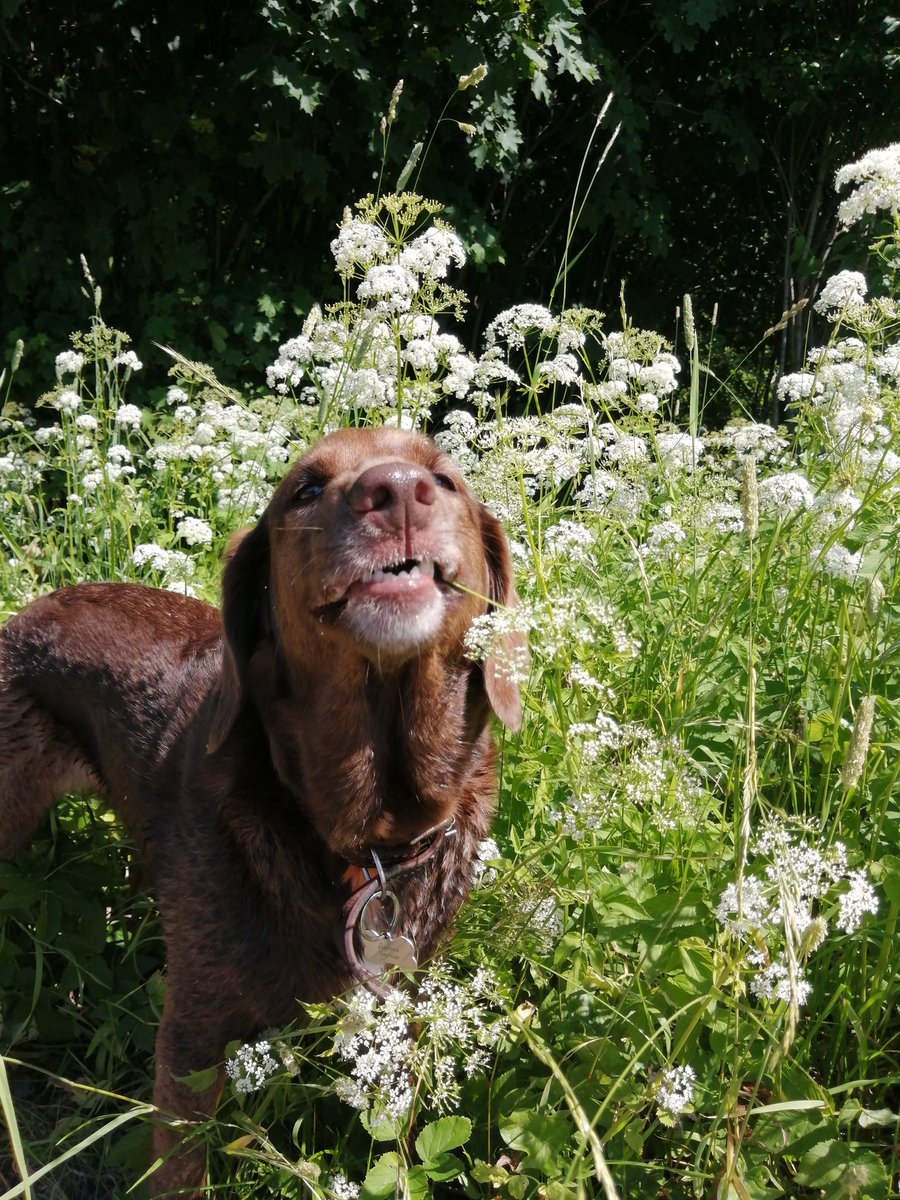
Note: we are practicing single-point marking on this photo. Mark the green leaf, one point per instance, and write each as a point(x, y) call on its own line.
point(382, 1178)
point(446, 1133)
point(542, 1136)
point(444, 1168)
point(484, 1172)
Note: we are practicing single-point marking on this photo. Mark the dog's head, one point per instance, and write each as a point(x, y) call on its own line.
point(372, 547)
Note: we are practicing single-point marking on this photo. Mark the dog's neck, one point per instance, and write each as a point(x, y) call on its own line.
point(376, 758)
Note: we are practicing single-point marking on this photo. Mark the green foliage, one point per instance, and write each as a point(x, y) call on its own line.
point(200, 155)
point(675, 975)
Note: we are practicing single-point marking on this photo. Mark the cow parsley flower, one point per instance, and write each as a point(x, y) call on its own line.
point(785, 494)
point(68, 362)
point(358, 244)
point(129, 360)
point(675, 1090)
point(679, 451)
point(194, 531)
point(878, 176)
point(561, 369)
point(836, 561)
point(512, 325)
point(431, 253)
point(662, 541)
point(570, 540)
point(341, 1187)
point(150, 555)
point(404, 1043)
point(773, 982)
point(67, 402)
point(391, 285)
point(846, 289)
point(251, 1066)
point(128, 415)
point(853, 904)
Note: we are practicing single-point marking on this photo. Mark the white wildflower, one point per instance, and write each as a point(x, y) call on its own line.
point(431, 253)
point(561, 369)
point(514, 323)
point(679, 451)
point(569, 540)
point(358, 244)
point(129, 416)
point(878, 176)
point(837, 561)
point(194, 531)
point(149, 554)
point(675, 1090)
point(785, 494)
point(799, 386)
point(846, 289)
point(68, 362)
point(661, 376)
point(663, 539)
point(391, 285)
point(251, 1066)
point(341, 1187)
point(129, 360)
point(853, 904)
point(773, 982)
point(67, 402)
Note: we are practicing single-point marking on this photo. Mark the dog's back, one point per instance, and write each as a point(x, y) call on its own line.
point(95, 683)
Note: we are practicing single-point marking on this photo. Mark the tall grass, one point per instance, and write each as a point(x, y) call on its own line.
point(675, 975)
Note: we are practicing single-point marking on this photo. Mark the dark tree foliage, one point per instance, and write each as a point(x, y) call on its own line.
point(200, 155)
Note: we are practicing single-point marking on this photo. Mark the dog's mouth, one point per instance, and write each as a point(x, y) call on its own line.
point(405, 583)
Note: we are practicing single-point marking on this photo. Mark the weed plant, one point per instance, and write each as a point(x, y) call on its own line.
point(675, 976)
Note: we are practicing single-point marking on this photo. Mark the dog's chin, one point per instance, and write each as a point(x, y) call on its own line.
point(393, 627)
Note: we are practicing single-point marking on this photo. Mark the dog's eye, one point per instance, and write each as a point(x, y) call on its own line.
point(308, 492)
point(444, 481)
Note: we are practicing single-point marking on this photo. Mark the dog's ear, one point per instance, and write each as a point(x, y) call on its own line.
point(245, 616)
point(502, 690)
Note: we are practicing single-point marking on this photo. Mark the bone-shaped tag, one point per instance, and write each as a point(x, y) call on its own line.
point(389, 953)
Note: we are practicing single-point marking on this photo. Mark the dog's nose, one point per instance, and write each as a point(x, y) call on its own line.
point(394, 495)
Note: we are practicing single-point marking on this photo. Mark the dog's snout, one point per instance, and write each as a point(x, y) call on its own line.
point(394, 495)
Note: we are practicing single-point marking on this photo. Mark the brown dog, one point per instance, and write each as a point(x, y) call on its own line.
point(337, 715)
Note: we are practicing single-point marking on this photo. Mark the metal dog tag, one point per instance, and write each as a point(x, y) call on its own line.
point(389, 953)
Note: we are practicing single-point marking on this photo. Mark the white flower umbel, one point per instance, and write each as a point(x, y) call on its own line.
point(836, 561)
point(877, 175)
point(843, 291)
point(513, 324)
point(675, 1090)
point(128, 416)
point(251, 1066)
point(859, 899)
point(341, 1187)
point(783, 495)
point(359, 244)
point(414, 1046)
point(774, 910)
point(194, 531)
point(68, 362)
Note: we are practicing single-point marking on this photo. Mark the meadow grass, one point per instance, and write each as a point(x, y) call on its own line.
point(675, 974)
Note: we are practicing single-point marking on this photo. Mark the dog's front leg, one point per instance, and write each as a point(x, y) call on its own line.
point(182, 1048)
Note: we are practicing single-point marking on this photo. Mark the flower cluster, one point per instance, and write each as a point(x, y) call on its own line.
point(877, 175)
point(776, 911)
point(675, 1090)
point(250, 1066)
point(408, 1045)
